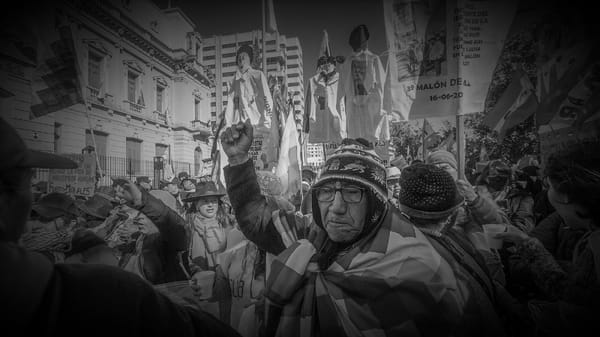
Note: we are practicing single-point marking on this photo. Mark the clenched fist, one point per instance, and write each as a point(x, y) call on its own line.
point(236, 141)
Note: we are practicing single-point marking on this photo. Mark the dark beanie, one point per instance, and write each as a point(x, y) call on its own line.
point(428, 192)
point(245, 49)
point(358, 35)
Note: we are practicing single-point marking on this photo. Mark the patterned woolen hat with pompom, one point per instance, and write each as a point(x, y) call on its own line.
point(428, 192)
point(360, 165)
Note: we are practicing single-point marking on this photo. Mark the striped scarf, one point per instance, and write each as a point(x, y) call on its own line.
point(392, 282)
point(45, 240)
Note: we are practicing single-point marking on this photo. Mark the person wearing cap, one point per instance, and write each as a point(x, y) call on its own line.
point(357, 251)
point(430, 199)
point(249, 95)
point(172, 186)
point(42, 298)
point(208, 226)
point(362, 78)
point(187, 183)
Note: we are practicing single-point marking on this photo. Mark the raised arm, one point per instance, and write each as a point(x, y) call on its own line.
point(251, 208)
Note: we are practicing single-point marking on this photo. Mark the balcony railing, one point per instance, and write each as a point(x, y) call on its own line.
point(160, 116)
point(134, 107)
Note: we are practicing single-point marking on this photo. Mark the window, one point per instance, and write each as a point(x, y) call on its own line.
point(230, 73)
point(160, 92)
point(292, 66)
point(132, 79)
point(292, 48)
point(101, 139)
point(229, 45)
point(213, 94)
point(209, 57)
point(213, 104)
point(94, 70)
point(208, 48)
point(229, 64)
point(270, 42)
point(292, 57)
point(133, 148)
point(294, 75)
point(229, 55)
point(293, 84)
point(197, 109)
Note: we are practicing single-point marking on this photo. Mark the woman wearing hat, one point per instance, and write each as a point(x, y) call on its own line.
point(208, 226)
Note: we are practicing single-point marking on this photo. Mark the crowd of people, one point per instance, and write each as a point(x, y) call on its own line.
point(366, 250)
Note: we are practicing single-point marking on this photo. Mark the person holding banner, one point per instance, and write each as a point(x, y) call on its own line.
point(357, 252)
point(42, 298)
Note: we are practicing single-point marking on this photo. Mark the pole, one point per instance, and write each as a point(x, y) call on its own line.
point(88, 107)
point(460, 145)
point(264, 43)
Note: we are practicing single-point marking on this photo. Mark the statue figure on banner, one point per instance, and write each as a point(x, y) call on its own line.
point(248, 95)
point(363, 79)
point(325, 118)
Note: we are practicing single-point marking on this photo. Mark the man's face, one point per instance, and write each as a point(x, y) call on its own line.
point(394, 186)
point(173, 188)
point(207, 206)
point(243, 60)
point(342, 215)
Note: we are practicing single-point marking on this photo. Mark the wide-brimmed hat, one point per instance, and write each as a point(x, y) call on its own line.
point(15, 154)
point(428, 192)
point(55, 204)
point(96, 206)
point(204, 189)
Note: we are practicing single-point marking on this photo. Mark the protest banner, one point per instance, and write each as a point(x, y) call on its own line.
point(77, 182)
point(445, 53)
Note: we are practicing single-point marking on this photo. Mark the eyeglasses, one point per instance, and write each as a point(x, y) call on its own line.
point(349, 194)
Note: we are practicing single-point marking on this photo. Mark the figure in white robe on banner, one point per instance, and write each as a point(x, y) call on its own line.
point(363, 79)
point(249, 95)
point(326, 117)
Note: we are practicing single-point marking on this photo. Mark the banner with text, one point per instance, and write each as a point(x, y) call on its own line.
point(78, 182)
point(443, 53)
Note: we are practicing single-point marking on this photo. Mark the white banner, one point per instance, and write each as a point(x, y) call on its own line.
point(443, 53)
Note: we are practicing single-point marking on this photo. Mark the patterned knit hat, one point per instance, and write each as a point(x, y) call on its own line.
point(360, 165)
point(428, 192)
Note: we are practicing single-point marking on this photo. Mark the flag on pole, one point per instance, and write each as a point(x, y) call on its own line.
point(56, 81)
point(271, 24)
point(516, 104)
point(288, 167)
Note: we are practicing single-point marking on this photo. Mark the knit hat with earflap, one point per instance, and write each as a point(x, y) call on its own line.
point(428, 192)
point(357, 163)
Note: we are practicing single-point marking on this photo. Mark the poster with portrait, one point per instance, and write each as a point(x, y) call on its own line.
point(443, 53)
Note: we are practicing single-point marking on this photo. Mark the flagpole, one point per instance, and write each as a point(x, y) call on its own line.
point(264, 44)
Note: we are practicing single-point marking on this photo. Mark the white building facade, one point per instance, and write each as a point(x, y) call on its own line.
point(146, 88)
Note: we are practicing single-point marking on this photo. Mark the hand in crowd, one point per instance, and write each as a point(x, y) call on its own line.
point(128, 191)
point(201, 285)
point(236, 141)
point(513, 234)
point(466, 190)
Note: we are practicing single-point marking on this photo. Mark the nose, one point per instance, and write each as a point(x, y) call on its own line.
point(338, 205)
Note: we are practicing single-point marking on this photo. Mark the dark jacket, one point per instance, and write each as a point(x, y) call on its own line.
point(40, 298)
point(161, 262)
